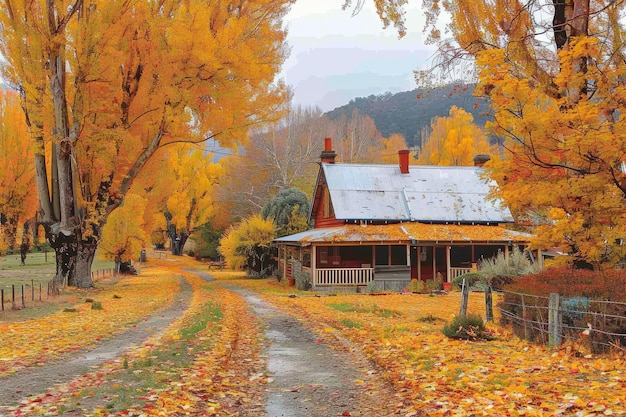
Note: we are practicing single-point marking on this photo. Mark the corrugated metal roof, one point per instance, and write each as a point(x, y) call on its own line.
point(426, 193)
point(406, 232)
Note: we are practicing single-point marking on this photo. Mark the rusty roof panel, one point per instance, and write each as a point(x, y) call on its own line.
point(426, 193)
point(407, 232)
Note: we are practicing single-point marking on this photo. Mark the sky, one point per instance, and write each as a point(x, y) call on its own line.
point(336, 57)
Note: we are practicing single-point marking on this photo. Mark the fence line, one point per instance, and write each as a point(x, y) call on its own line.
point(18, 300)
point(552, 320)
point(17, 295)
point(102, 273)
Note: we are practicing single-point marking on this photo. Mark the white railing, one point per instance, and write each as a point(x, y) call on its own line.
point(456, 272)
point(343, 276)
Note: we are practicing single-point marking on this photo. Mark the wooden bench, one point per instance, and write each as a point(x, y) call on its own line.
point(217, 264)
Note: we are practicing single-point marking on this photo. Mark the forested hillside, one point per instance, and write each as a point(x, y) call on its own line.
point(409, 112)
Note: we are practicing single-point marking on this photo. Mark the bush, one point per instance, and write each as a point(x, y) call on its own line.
point(607, 285)
point(474, 279)
point(500, 270)
point(303, 281)
point(470, 327)
point(434, 284)
point(577, 288)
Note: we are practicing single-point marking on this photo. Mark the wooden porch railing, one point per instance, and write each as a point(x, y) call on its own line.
point(343, 276)
point(456, 272)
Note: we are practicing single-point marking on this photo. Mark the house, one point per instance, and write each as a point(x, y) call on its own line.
point(393, 223)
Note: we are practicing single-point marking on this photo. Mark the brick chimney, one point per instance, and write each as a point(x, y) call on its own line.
point(403, 160)
point(480, 160)
point(328, 155)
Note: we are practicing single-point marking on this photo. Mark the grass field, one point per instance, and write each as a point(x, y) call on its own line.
point(34, 277)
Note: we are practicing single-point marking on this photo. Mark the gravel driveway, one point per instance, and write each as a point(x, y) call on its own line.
point(309, 379)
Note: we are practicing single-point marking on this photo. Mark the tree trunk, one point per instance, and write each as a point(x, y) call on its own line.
point(84, 259)
point(177, 242)
point(65, 247)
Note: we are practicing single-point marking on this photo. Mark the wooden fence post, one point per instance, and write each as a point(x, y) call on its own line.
point(464, 298)
point(2, 291)
point(13, 296)
point(524, 318)
point(39, 290)
point(32, 290)
point(23, 298)
point(554, 320)
point(488, 304)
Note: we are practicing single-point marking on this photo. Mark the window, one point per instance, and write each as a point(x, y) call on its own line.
point(329, 255)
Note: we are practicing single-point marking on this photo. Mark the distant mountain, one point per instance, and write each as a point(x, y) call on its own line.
point(409, 112)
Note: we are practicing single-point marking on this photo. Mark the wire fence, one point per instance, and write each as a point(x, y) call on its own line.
point(19, 296)
point(553, 320)
point(27, 293)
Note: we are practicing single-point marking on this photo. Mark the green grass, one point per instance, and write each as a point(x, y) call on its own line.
point(126, 387)
point(429, 319)
point(351, 324)
point(38, 271)
point(39, 267)
point(359, 308)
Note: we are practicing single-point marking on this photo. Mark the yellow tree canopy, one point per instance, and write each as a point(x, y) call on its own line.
point(123, 236)
point(388, 150)
point(109, 82)
point(556, 77)
point(239, 240)
point(190, 201)
point(453, 141)
point(18, 202)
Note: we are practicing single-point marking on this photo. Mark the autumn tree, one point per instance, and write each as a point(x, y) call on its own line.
point(280, 155)
point(288, 210)
point(18, 202)
point(189, 203)
point(453, 140)
point(248, 245)
point(105, 84)
point(356, 138)
point(389, 147)
point(124, 236)
point(555, 73)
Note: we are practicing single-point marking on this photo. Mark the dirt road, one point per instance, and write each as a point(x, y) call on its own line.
point(309, 379)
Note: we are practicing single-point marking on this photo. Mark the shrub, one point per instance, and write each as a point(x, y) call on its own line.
point(500, 270)
point(303, 281)
point(470, 327)
point(434, 284)
point(474, 279)
point(577, 288)
point(607, 285)
point(416, 285)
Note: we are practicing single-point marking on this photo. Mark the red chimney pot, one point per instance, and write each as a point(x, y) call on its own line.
point(403, 159)
point(328, 155)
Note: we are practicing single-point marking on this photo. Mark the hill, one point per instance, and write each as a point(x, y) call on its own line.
point(409, 112)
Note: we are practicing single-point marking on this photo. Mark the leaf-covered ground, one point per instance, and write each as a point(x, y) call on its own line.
point(37, 341)
point(434, 375)
point(208, 361)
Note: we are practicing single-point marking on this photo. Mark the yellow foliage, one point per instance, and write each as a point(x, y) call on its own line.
point(239, 240)
point(453, 141)
point(123, 235)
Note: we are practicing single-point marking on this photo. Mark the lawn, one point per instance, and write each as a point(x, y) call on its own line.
point(33, 277)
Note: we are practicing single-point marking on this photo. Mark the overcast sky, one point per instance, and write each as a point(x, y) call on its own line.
point(336, 57)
